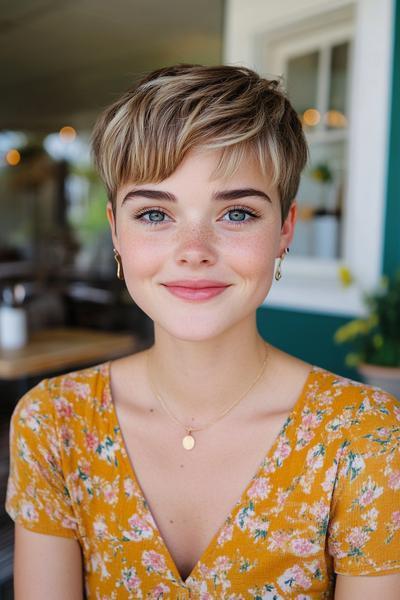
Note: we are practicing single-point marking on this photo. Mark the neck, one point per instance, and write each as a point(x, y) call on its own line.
point(198, 380)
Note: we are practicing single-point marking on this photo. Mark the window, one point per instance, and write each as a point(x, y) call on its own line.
point(317, 81)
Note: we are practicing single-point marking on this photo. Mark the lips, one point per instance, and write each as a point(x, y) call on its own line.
point(195, 284)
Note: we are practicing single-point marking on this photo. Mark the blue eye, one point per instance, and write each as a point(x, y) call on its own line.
point(239, 210)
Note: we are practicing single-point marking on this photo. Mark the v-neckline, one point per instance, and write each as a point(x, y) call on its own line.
point(211, 547)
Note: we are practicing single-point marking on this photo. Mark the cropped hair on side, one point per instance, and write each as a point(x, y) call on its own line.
point(146, 133)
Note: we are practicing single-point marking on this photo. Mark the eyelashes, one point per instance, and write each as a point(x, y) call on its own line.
point(253, 215)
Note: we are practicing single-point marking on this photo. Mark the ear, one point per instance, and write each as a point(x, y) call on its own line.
point(113, 225)
point(288, 227)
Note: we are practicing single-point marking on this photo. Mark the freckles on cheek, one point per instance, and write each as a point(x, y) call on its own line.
point(141, 259)
point(256, 254)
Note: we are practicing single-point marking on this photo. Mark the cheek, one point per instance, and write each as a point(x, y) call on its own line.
point(254, 256)
point(141, 257)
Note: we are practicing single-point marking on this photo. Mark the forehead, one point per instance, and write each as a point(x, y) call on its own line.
point(200, 166)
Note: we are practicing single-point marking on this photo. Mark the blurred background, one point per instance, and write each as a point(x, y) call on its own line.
point(61, 63)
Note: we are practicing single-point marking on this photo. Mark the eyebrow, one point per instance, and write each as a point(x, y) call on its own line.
point(223, 195)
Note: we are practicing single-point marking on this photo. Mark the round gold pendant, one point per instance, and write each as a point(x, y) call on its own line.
point(188, 442)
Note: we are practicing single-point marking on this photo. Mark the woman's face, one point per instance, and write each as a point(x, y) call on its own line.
point(192, 227)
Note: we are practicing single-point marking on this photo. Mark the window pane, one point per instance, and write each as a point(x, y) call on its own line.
point(320, 198)
point(337, 113)
point(302, 81)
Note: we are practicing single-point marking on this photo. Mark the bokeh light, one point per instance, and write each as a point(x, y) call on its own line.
point(13, 157)
point(311, 117)
point(67, 134)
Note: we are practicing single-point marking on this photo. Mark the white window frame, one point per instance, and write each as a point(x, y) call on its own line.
point(252, 38)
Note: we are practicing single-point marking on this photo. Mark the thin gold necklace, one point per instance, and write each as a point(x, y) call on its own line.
point(188, 441)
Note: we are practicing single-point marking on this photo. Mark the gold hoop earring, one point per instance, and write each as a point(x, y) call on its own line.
point(117, 257)
point(278, 272)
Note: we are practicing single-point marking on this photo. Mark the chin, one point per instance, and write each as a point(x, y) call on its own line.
point(194, 329)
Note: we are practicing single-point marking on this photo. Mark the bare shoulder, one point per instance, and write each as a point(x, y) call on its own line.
point(46, 566)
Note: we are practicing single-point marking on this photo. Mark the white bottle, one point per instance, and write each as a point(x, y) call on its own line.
point(13, 327)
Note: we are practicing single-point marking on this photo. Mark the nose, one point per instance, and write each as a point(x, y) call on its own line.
point(196, 245)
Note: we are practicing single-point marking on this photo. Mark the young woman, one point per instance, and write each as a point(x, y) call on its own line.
point(212, 465)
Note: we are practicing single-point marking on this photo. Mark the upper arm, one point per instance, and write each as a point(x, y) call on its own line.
point(359, 588)
point(46, 566)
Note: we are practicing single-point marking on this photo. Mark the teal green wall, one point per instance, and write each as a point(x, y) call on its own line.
point(391, 257)
point(309, 336)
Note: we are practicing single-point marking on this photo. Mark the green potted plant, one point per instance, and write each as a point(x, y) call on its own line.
point(325, 214)
point(376, 337)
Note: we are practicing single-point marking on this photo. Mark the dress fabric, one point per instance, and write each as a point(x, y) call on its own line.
point(324, 500)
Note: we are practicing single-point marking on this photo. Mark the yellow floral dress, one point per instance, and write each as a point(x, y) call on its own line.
point(325, 499)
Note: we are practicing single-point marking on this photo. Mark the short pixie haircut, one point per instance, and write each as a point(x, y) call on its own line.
point(145, 134)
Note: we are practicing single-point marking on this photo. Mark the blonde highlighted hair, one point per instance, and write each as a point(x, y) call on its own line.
point(145, 134)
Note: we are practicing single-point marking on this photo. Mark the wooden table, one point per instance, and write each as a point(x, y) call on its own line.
point(59, 349)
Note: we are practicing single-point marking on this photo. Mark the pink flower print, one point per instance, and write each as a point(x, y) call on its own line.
point(107, 449)
point(63, 407)
point(394, 480)
point(314, 567)
point(304, 547)
point(91, 440)
point(82, 390)
point(314, 458)
point(76, 492)
point(281, 496)
point(66, 437)
point(370, 518)
point(243, 517)
point(303, 597)
point(330, 476)
point(83, 469)
point(335, 548)
point(222, 564)
point(358, 537)
point(278, 540)
point(303, 436)
point(396, 519)
point(310, 420)
point(131, 581)
point(110, 494)
point(153, 561)
point(260, 488)
point(225, 534)
point(295, 576)
point(269, 466)
point(139, 529)
point(369, 492)
point(282, 451)
point(158, 592)
point(320, 510)
point(29, 416)
point(100, 527)
point(397, 412)
point(205, 571)
point(258, 528)
point(380, 397)
point(129, 487)
point(98, 564)
point(29, 512)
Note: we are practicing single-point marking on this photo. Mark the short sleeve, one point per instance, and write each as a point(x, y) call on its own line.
point(37, 496)
point(364, 529)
